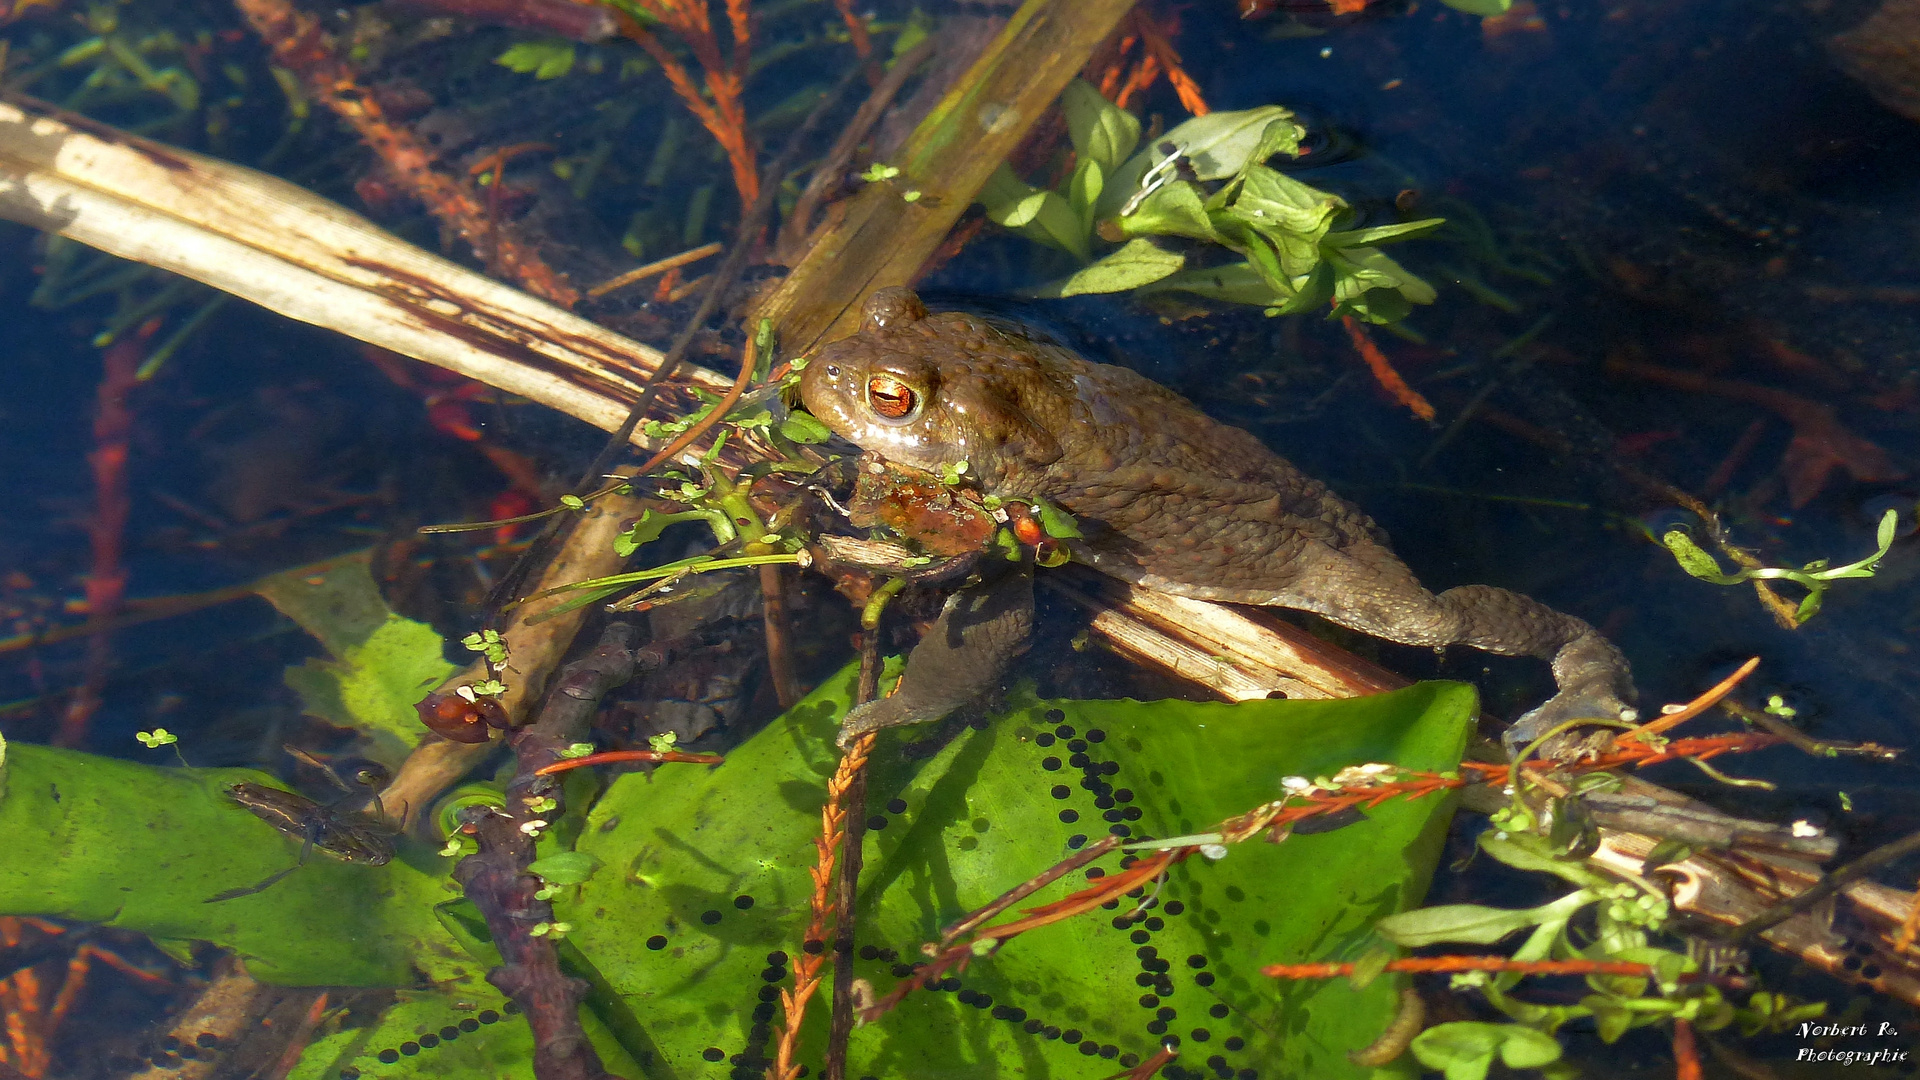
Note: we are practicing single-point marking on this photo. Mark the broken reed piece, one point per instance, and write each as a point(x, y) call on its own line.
point(288, 250)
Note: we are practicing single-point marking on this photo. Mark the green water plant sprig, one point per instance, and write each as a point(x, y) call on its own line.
point(1603, 920)
point(1206, 180)
point(1816, 577)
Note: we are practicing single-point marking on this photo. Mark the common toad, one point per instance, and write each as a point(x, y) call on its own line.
point(1167, 498)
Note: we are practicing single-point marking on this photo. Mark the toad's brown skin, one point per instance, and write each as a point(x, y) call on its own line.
point(1168, 498)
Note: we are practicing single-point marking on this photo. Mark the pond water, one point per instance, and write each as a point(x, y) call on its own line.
point(1682, 250)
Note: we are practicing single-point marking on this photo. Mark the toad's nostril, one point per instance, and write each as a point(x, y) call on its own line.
point(833, 371)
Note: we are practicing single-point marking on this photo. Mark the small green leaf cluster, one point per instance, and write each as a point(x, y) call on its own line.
point(488, 643)
point(1603, 919)
point(759, 411)
point(1206, 180)
point(548, 58)
point(1815, 576)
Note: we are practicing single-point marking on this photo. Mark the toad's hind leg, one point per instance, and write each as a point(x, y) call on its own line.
point(981, 629)
point(1378, 595)
point(1593, 679)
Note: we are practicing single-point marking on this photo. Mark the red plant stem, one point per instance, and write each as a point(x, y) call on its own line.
point(107, 580)
point(1275, 816)
point(1157, 40)
point(610, 757)
point(302, 1036)
point(1686, 1055)
point(726, 116)
point(1147, 1068)
point(856, 27)
point(1383, 371)
point(1445, 964)
point(1693, 708)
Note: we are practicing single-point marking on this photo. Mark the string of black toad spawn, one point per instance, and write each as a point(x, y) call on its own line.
point(1174, 994)
point(496, 878)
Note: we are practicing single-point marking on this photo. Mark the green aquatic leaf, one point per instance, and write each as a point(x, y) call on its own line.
point(1137, 263)
point(803, 428)
point(1100, 130)
point(1465, 1050)
point(1223, 144)
point(1488, 8)
point(1474, 924)
point(381, 662)
point(1056, 522)
point(1282, 135)
point(565, 867)
point(1038, 214)
point(1270, 200)
point(1234, 283)
point(652, 523)
point(1360, 269)
point(1003, 192)
point(1174, 209)
point(1083, 189)
point(1383, 234)
point(705, 910)
point(143, 848)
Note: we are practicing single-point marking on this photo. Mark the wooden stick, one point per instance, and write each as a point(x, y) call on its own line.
point(657, 266)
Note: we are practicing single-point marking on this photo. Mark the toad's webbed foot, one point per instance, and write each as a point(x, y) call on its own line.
point(979, 632)
point(1592, 677)
point(1594, 685)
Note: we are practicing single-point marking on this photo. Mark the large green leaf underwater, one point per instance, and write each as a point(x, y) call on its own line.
point(687, 928)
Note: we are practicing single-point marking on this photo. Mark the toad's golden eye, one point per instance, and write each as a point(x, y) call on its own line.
point(891, 398)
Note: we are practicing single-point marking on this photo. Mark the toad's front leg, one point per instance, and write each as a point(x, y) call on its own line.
point(980, 631)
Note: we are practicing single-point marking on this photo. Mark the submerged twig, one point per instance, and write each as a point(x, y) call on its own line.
point(1450, 964)
point(725, 116)
point(1884, 855)
point(537, 636)
point(745, 239)
point(847, 879)
point(496, 878)
point(799, 222)
point(657, 266)
point(1028, 887)
point(1800, 740)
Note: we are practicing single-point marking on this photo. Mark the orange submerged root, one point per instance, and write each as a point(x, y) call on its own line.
point(1383, 371)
